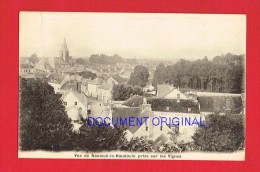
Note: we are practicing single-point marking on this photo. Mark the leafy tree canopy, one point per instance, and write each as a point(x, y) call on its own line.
point(139, 77)
point(44, 123)
point(222, 133)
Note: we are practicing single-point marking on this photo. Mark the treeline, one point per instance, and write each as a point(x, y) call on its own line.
point(223, 74)
point(105, 59)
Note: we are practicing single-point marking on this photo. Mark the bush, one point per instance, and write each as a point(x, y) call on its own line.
point(222, 133)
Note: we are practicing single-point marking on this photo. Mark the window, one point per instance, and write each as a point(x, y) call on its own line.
point(65, 103)
point(161, 128)
point(75, 103)
point(146, 128)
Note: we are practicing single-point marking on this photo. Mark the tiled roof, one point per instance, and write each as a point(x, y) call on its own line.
point(55, 78)
point(163, 90)
point(126, 113)
point(119, 79)
point(80, 96)
point(96, 81)
point(135, 101)
point(104, 76)
point(106, 86)
point(69, 85)
point(172, 105)
point(165, 105)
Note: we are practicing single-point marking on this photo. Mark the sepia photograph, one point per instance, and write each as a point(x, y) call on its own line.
point(158, 86)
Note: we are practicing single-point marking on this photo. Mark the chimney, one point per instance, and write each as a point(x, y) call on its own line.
point(79, 86)
point(145, 100)
point(195, 98)
point(178, 98)
point(146, 105)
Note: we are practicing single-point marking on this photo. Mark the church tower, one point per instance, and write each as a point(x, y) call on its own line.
point(64, 51)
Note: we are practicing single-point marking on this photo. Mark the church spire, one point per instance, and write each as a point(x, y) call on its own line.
point(64, 45)
point(64, 51)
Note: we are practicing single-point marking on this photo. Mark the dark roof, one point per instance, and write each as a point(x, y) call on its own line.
point(96, 81)
point(106, 86)
point(134, 101)
point(104, 76)
point(80, 96)
point(55, 78)
point(171, 105)
point(25, 66)
point(119, 79)
point(69, 85)
point(219, 103)
point(165, 105)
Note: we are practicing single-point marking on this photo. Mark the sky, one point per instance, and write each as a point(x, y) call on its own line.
point(132, 35)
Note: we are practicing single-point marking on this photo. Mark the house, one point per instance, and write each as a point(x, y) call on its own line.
point(220, 103)
point(148, 88)
point(70, 84)
point(116, 79)
point(25, 69)
point(169, 92)
point(43, 66)
point(93, 88)
point(139, 106)
point(84, 85)
point(125, 74)
point(76, 104)
point(57, 81)
point(105, 90)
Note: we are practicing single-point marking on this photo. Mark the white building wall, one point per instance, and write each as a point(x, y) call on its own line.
point(186, 132)
point(93, 90)
point(70, 100)
point(56, 87)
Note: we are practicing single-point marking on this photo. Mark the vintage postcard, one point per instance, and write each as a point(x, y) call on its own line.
point(159, 86)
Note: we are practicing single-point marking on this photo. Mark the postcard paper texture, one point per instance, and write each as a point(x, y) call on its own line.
point(158, 86)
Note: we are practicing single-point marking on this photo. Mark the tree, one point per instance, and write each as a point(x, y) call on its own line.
point(139, 77)
point(123, 92)
point(159, 74)
point(234, 79)
point(34, 58)
point(223, 74)
point(221, 133)
point(93, 137)
point(81, 61)
point(43, 122)
point(88, 74)
point(105, 59)
point(141, 144)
